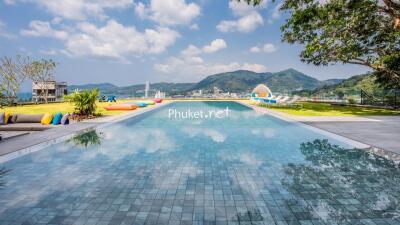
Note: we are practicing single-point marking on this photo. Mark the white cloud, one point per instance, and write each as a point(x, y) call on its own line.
point(253, 67)
point(168, 13)
point(191, 50)
point(214, 46)
point(255, 49)
point(248, 17)
point(267, 48)
point(115, 40)
point(182, 67)
point(190, 62)
point(78, 9)
point(242, 8)
point(245, 24)
point(39, 28)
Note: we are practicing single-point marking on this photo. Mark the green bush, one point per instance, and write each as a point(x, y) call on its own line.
point(351, 101)
point(84, 101)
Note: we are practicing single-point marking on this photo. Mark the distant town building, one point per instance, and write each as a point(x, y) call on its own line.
point(216, 91)
point(55, 90)
point(147, 89)
point(159, 94)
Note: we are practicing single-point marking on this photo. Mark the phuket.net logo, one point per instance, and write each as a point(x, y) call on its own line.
point(198, 114)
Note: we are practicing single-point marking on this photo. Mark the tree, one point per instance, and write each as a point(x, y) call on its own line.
point(12, 73)
point(361, 32)
point(42, 73)
point(84, 101)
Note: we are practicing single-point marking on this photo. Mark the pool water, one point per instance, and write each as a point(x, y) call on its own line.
point(238, 168)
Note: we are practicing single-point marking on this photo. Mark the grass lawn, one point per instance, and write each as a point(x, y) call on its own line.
point(326, 109)
point(59, 107)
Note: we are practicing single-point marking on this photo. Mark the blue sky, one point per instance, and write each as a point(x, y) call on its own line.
point(128, 42)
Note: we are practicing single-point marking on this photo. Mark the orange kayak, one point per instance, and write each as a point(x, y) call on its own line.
point(121, 107)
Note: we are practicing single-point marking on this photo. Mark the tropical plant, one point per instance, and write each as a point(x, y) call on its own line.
point(84, 101)
point(41, 72)
point(361, 32)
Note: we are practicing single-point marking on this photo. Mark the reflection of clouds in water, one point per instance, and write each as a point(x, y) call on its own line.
point(266, 132)
point(246, 157)
point(215, 135)
point(383, 202)
point(121, 141)
point(60, 178)
point(322, 210)
point(244, 114)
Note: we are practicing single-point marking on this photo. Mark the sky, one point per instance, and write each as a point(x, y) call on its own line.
point(127, 42)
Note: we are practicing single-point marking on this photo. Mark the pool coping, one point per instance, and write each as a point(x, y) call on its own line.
point(355, 144)
point(86, 125)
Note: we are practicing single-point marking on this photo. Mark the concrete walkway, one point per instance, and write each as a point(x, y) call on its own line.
point(382, 132)
point(50, 136)
point(379, 131)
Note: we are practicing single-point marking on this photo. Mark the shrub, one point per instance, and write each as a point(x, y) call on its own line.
point(84, 102)
point(351, 101)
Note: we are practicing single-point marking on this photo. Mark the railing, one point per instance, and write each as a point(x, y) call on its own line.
point(387, 98)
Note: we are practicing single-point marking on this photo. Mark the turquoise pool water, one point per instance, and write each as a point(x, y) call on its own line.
point(239, 167)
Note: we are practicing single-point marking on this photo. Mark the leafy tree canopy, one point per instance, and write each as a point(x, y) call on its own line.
point(362, 32)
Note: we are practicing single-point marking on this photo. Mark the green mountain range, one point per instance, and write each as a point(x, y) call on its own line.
point(241, 81)
point(244, 81)
point(350, 86)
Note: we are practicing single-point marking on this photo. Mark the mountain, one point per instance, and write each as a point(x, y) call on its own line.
point(241, 81)
point(350, 86)
point(332, 82)
point(244, 81)
point(135, 90)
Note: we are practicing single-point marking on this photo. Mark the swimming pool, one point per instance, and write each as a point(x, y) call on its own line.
point(233, 166)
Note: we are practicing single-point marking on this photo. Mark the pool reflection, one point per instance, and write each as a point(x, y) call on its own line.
point(86, 139)
point(340, 185)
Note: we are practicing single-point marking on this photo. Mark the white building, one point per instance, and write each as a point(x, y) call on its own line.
point(55, 91)
point(216, 91)
point(147, 89)
point(160, 94)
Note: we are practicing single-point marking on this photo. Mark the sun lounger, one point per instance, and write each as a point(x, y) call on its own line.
point(284, 99)
point(293, 100)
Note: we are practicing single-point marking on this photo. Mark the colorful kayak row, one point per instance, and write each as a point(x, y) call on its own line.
point(133, 105)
